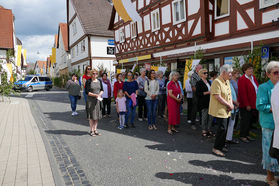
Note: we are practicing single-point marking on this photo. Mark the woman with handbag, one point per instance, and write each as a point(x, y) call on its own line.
point(73, 88)
point(203, 95)
point(263, 104)
point(94, 91)
point(130, 89)
point(174, 101)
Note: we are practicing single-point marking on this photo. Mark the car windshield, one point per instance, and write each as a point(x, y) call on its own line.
point(27, 78)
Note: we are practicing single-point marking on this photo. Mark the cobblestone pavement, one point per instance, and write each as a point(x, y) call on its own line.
point(23, 157)
point(137, 156)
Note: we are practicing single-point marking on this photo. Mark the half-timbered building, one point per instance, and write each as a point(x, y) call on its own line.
point(172, 30)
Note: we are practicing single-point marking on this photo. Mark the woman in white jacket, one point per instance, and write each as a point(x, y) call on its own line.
point(151, 87)
point(189, 95)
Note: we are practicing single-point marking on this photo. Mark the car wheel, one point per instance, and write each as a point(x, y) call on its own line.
point(30, 89)
point(47, 88)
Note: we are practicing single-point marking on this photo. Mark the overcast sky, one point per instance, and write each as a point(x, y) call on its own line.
point(36, 22)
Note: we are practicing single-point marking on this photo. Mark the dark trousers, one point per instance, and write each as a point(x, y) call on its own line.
point(221, 133)
point(194, 109)
point(141, 106)
point(246, 120)
point(189, 108)
point(161, 104)
point(106, 106)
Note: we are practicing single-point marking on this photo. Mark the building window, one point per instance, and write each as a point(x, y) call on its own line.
point(222, 8)
point(77, 49)
point(155, 20)
point(178, 11)
point(133, 29)
point(74, 27)
point(122, 34)
point(267, 3)
point(83, 46)
point(73, 52)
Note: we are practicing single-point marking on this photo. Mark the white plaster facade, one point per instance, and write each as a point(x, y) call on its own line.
point(79, 46)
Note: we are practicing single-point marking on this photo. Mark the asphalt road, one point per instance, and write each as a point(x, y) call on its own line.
point(137, 156)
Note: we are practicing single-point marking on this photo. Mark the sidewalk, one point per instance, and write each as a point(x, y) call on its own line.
point(23, 157)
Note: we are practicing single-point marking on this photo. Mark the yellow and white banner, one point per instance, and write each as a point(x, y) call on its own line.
point(126, 10)
point(188, 65)
point(18, 60)
point(53, 56)
point(24, 57)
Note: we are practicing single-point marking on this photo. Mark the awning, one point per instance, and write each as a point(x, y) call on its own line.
point(126, 10)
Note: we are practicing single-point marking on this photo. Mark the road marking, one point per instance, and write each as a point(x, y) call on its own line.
point(29, 95)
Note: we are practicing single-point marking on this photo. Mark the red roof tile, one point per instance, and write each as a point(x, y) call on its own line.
point(6, 28)
point(64, 30)
point(41, 64)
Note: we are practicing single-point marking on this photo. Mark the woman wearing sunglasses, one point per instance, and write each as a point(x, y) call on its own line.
point(263, 105)
point(94, 91)
point(203, 94)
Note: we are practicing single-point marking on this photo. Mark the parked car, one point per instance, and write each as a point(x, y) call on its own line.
point(33, 82)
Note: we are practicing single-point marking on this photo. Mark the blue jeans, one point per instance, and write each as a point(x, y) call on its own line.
point(85, 97)
point(151, 111)
point(130, 110)
point(73, 100)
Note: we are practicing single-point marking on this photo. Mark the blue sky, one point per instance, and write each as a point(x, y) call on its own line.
point(36, 22)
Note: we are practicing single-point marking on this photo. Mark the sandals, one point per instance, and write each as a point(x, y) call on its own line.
point(154, 127)
point(245, 140)
point(170, 132)
point(174, 130)
point(218, 153)
point(97, 133)
point(211, 134)
point(92, 133)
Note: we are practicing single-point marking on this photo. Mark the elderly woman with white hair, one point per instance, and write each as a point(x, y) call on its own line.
point(220, 106)
point(142, 109)
point(263, 105)
point(174, 99)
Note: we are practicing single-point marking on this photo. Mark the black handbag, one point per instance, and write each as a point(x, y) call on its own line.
point(273, 152)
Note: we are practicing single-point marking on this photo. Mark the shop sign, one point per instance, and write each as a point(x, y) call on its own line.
point(110, 50)
point(111, 42)
point(265, 52)
point(147, 66)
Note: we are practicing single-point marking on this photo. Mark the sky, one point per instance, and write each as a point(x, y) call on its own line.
point(36, 23)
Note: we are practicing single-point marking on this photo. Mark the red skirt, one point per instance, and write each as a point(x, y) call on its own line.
point(173, 111)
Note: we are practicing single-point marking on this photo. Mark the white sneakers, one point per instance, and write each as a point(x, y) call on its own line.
point(74, 113)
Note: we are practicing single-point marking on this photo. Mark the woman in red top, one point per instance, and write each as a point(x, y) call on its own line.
point(247, 95)
point(85, 77)
point(117, 85)
point(174, 99)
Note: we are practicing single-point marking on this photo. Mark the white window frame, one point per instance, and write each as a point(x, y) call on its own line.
point(157, 11)
point(82, 46)
point(122, 35)
point(134, 30)
point(73, 52)
point(269, 4)
point(74, 28)
point(215, 11)
point(77, 49)
point(173, 12)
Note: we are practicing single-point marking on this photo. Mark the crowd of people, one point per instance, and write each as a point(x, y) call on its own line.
point(225, 99)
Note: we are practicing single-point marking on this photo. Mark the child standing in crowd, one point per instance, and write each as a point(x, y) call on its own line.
point(121, 108)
